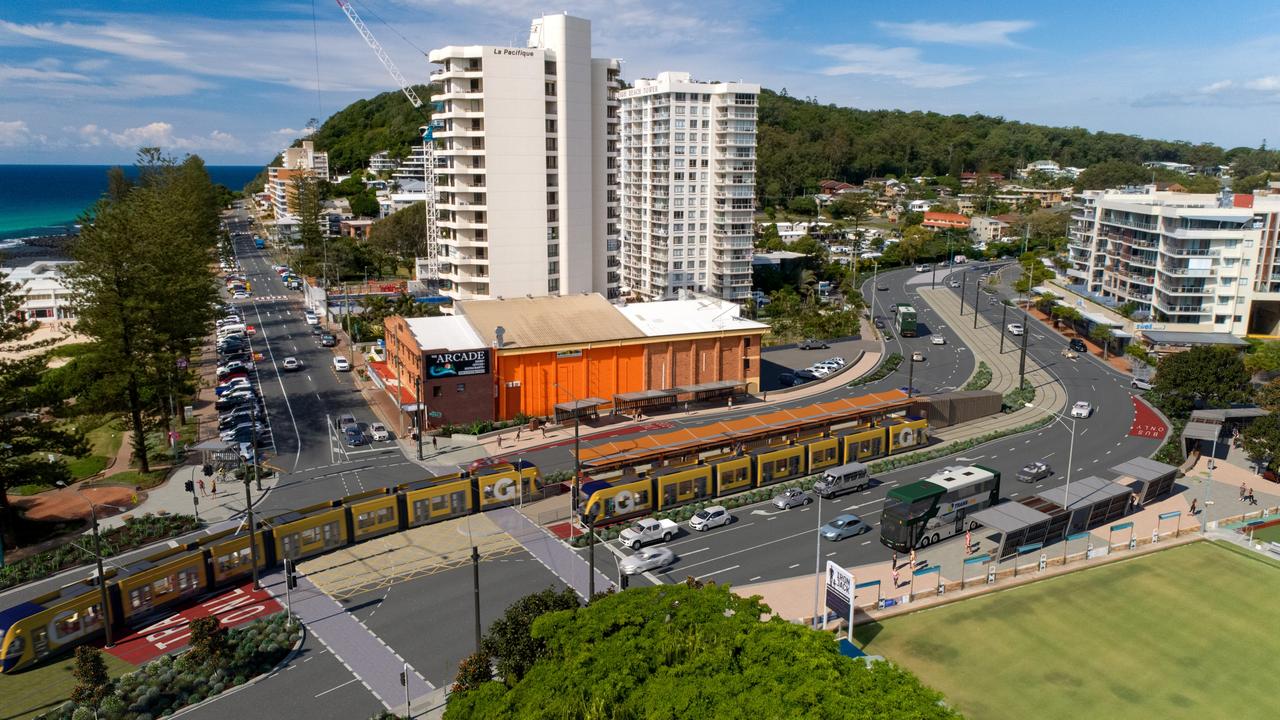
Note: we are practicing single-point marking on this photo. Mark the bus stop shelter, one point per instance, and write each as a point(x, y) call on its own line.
point(588, 409)
point(1055, 513)
point(644, 400)
point(713, 390)
point(1019, 525)
point(1151, 480)
point(1091, 501)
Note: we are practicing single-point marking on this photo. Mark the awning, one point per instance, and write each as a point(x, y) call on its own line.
point(1141, 468)
point(644, 399)
point(1009, 517)
point(1202, 431)
point(1089, 491)
point(588, 407)
point(709, 388)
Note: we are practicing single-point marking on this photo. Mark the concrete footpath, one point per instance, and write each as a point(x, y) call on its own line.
point(220, 501)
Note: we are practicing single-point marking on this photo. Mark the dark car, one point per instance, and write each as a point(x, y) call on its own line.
point(328, 340)
point(879, 321)
point(317, 330)
point(1077, 345)
point(355, 437)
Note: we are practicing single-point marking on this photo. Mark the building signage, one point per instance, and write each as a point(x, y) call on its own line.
point(1148, 326)
point(518, 52)
point(456, 364)
point(839, 590)
point(568, 353)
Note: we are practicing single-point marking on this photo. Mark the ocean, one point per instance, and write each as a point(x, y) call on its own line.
point(47, 199)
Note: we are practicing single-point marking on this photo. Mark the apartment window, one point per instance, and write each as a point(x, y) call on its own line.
point(553, 251)
point(746, 363)
point(553, 267)
point(550, 89)
point(549, 67)
point(679, 97)
point(553, 285)
point(746, 343)
point(552, 199)
point(551, 162)
point(553, 215)
point(551, 124)
point(551, 144)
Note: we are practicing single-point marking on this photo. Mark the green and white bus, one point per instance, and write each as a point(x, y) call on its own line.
point(906, 319)
point(931, 510)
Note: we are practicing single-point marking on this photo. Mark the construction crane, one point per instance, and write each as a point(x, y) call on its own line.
point(432, 279)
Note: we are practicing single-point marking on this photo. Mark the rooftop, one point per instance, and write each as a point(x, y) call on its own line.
point(447, 332)
point(544, 321)
point(700, 315)
point(1169, 337)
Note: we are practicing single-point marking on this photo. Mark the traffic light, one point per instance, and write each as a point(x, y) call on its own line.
point(190, 486)
point(403, 679)
point(626, 580)
point(207, 470)
point(291, 575)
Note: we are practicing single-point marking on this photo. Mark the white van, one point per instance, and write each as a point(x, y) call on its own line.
point(232, 329)
point(847, 478)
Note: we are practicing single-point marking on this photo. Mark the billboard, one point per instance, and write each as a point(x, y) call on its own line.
point(839, 590)
point(457, 364)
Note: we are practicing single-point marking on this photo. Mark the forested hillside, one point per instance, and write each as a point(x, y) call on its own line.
point(801, 142)
point(383, 122)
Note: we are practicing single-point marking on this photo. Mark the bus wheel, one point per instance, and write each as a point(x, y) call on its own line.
point(973, 524)
point(924, 542)
point(935, 537)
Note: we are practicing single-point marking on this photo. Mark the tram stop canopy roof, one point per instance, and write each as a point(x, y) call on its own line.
point(1010, 517)
point(1088, 491)
point(1145, 469)
point(578, 408)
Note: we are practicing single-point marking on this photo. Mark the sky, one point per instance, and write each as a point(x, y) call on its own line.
point(235, 81)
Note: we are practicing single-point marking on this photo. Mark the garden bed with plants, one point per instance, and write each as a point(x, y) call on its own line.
point(683, 513)
point(135, 533)
point(886, 368)
point(218, 660)
point(981, 378)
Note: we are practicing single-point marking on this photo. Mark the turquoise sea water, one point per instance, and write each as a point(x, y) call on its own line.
point(46, 199)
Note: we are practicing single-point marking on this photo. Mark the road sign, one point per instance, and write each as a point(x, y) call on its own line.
point(840, 591)
point(435, 413)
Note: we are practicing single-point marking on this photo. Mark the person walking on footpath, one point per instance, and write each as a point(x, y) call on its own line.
point(894, 561)
point(896, 584)
point(913, 559)
point(214, 489)
point(1193, 506)
point(968, 542)
point(435, 442)
point(1243, 490)
point(200, 484)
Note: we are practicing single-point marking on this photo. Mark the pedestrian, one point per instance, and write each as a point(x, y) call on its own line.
point(913, 558)
point(499, 441)
point(1193, 505)
point(1136, 500)
point(435, 442)
point(894, 561)
point(200, 484)
point(968, 542)
point(730, 402)
point(518, 434)
point(896, 584)
point(1252, 500)
point(1243, 489)
point(214, 489)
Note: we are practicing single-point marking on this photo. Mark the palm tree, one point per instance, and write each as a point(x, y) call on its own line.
point(809, 285)
point(1102, 335)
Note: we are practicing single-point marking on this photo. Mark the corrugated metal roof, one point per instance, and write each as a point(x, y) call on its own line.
point(1009, 517)
point(1088, 491)
point(1142, 468)
point(680, 317)
point(548, 321)
point(447, 332)
point(1168, 337)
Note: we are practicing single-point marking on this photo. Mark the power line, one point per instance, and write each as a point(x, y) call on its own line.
point(315, 40)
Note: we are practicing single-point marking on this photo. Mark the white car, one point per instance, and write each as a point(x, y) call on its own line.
point(654, 558)
point(341, 364)
point(830, 365)
point(311, 318)
point(839, 361)
point(378, 431)
point(938, 340)
point(292, 363)
point(954, 283)
point(1015, 328)
point(917, 356)
point(241, 295)
point(820, 370)
point(1082, 409)
point(714, 516)
point(922, 268)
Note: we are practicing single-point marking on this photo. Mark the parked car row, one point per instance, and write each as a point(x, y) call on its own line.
point(813, 372)
point(241, 416)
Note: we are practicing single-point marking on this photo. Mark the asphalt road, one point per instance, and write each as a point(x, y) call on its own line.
point(767, 544)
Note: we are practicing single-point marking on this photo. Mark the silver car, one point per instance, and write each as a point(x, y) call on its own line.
point(794, 497)
point(844, 526)
point(654, 558)
point(710, 517)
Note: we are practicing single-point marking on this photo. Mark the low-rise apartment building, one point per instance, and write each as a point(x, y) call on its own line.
point(1190, 262)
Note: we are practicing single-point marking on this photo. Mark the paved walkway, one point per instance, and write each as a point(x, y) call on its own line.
point(213, 507)
point(377, 666)
point(562, 561)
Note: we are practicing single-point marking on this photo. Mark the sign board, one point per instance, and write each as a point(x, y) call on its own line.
point(457, 364)
point(839, 589)
point(568, 353)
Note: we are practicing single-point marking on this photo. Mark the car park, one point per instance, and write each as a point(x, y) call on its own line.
point(379, 432)
point(844, 526)
point(937, 340)
point(792, 497)
point(235, 399)
point(1082, 409)
point(790, 380)
point(710, 517)
point(813, 344)
point(647, 560)
point(827, 365)
point(1015, 328)
point(1140, 384)
point(1034, 471)
point(341, 364)
point(232, 386)
point(328, 340)
point(232, 367)
point(819, 370)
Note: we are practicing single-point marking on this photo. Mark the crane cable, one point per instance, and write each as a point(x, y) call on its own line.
point(315, 40)
point(391, 27)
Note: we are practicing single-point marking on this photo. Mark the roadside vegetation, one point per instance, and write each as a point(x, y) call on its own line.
point(981, 377)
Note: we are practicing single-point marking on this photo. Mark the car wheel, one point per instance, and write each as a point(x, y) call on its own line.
point(808, 500)
point(667, 537)
point(973, 524)
point(635, 545)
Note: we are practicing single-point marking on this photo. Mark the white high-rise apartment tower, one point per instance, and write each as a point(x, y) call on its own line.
point(527, 165)
point(688, 186)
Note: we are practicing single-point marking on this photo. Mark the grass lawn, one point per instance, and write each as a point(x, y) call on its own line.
point(1176, 634)
point(46, 686)
point(136, 478)
point(1267, 534)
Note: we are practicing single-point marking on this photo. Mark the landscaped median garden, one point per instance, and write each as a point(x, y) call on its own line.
point(136, 532)
point(218, 660)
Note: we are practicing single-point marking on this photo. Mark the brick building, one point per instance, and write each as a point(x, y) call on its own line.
point(561, 356)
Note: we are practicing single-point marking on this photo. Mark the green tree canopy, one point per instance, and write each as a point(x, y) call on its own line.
point(1261, 439)
point(679, 651)
point(1211, 375)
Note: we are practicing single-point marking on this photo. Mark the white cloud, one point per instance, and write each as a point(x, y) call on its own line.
point(15, 74)
point(1271, 83)
point(15, 133)
point(903, 64)
point(987, 32)
point(114, 39)
point(156, 134)
point(290, 133)
point(1216, 87)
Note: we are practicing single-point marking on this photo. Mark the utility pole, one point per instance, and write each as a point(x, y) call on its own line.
point(102, 577)
point(1003, 312)
point(964, 280)
point(422, 402)
point(1022, 361)
point(475, 584)
point(253, 534)
point(591, 555)
point(911, 375)
point(977, 291)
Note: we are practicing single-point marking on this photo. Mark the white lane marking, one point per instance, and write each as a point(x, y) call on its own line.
point(866, 542)
point(280, 378)
point(792, 567)
point(713, 572)
point(754, 579)
point(830, 554)
point(694, 552)
point(336, 687)
point(855, 507)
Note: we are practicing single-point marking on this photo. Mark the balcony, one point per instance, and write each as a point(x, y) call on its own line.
point(1180, 309)
point(1186, 290)
point(1191, 252)
point(1186, 271)
point(1136, 224)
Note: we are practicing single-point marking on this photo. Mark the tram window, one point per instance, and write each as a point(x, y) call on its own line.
point(310, 535)
point(163, 586)
point(439, 502)
point(140, 598)
point(364, 520)
point(67, 625)
point(187, 580)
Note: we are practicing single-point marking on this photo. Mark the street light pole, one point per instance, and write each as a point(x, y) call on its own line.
point(964, 281)
point(1004, 312)
point(875, 273)
point(422, 402)
point(1022, 361)
point(977, 291)
point(102, 576)
point(253, 534)
point(591, 555)
point(817, 567)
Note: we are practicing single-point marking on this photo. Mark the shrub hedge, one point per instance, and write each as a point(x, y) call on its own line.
point(981, 378)
point(886, 368)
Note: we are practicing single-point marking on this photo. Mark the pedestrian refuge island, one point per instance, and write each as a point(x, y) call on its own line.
point(1060, 512)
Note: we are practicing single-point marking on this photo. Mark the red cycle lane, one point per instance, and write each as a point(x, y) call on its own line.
point(232, 608)
point(1146, 421)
